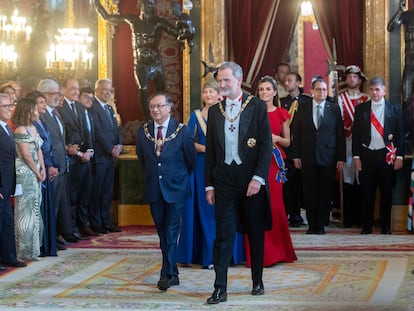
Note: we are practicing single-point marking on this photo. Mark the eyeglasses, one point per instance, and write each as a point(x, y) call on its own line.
point(320, 89)
point(158, 106)
point(86, 97)
point(9, 106)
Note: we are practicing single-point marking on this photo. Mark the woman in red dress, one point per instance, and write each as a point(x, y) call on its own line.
point(278, 243)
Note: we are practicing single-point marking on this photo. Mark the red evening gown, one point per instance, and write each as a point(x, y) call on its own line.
point(277, 243)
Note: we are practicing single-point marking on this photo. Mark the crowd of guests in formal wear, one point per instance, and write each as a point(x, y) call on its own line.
point(222, 190)
point(249, 164)
point(58, 147)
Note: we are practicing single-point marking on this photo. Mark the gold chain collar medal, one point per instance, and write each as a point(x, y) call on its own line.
point(159, 142)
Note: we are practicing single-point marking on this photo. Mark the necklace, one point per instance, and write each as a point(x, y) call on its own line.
point(159, 142)
point(241, 110)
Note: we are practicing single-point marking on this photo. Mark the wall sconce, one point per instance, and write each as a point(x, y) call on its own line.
point(69, 55)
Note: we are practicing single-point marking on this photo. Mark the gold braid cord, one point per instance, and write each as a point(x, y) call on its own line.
point(159, 142)
point(292, 110)
point(247, 101)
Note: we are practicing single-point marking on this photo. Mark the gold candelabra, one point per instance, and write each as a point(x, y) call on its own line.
point(14, 35)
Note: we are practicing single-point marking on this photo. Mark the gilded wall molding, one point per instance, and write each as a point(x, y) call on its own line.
point(213, 31)
point(376, 45)
point(186, 80)
point(106, 32)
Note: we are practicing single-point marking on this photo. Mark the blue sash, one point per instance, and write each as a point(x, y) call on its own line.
point(281, 173)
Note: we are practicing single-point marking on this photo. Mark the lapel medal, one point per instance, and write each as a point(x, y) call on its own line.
point(390, 137)
point(251, 142)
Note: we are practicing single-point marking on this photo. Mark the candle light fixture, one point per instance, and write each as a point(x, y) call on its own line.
point(69, 54)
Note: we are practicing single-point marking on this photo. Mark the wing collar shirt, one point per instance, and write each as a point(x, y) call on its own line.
point(231, 130)
point(377, 141)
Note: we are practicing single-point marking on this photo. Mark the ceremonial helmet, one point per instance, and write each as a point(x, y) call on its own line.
point(355, 69)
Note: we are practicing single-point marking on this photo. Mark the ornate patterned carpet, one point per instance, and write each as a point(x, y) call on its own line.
point(326, 277)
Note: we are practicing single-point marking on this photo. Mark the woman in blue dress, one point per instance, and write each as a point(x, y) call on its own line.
point(47, 208)
point(198, 229)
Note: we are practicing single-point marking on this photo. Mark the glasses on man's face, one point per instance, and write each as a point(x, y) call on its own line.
point(320, 89)
point(9, 106)
point(158, 106)
point(86, 97)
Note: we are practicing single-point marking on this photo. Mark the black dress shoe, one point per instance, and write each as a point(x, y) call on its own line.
point(114, 229)
point(258, 289)
point(219, 295)
point(321, 231)
point(3, 267)
point(166, 282)
point(173, 280)
point(295, 224)
point(88, 232)
point(163, 283)
point(80, 236)
point(386, 231)
point(366, 231)
point(16, 264)
point(310, 231)
point(60, 247)
point(100, 230)
point(71, 238)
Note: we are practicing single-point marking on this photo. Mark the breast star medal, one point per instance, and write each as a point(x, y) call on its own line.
point(251, 142)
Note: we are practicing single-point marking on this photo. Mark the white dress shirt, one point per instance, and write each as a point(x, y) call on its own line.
point(163, 130)
point(315, 111)
point(377, 141)
point(231, 131)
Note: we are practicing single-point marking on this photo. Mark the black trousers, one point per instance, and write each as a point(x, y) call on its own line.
point(317, 185)
point(292, 196)
point(232, 207)
point(101, 195)
point(376, 172)
point(80, 183)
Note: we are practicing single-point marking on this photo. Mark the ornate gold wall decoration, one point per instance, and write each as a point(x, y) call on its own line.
point(213, 30)
point(376, 45)
point(105, 34)
point(186, 80)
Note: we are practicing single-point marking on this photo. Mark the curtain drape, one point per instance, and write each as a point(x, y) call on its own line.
point(341, 20)
point(259, 34)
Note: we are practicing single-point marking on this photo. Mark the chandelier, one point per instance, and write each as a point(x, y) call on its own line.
point(14, 35)
point(69, 55)
point(307, 14)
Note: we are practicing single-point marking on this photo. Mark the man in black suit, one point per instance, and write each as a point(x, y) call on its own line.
point(55, 126)
point(74, 118)
point(238, 154)
point(108, 146)
point(167, 153)
point(377, 149)
point(318, 150)
point(292, 187)
point(7, 187)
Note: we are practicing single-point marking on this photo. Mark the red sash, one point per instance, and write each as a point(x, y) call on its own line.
point(348, 112)
point(377, 124)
